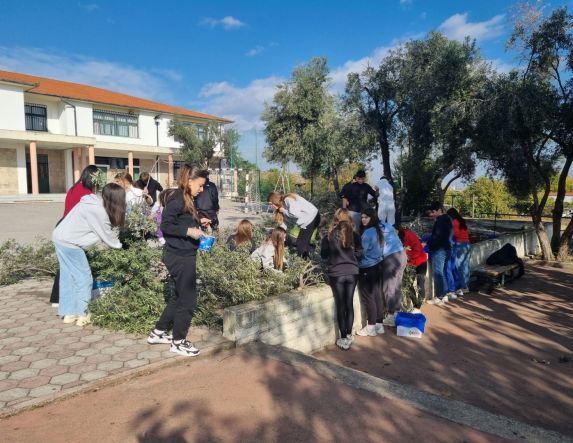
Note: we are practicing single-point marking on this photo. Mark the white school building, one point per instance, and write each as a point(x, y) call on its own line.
point(50, 130)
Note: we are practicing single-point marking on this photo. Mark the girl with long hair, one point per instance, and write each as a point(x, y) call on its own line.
point(243, 238)
point(341, 248)
point(181, 227)
point(461, 252)
point(293, 207)
point(271, 253)
point(372, 241)
point(86, 185)
point(88, 223)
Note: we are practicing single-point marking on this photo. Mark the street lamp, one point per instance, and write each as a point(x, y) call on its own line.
point(156, 119)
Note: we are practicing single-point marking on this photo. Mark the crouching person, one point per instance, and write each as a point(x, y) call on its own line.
point(88, 223)
point(271, 254)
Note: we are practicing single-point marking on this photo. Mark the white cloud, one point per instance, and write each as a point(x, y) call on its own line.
point(255, 51)
point(458, 27)
point(244, 105)
point(228, 22)
point(90, 7)
point(406, 3)
point(155, 84)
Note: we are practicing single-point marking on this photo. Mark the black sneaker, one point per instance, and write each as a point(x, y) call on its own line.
point(184, 348)
point(163, 338)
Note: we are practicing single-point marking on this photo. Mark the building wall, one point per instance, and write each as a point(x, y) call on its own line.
point(12, 108)
point(8, 171)
point(53, 107)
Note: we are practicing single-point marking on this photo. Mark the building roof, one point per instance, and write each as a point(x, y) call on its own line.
point(77, 91)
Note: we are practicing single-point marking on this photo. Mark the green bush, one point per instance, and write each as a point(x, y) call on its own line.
point(18, 262)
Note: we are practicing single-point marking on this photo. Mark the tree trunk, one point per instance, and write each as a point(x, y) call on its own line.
point(385, 154)
point(565, 241)
point(546, 251)
point(557, 212)
point(311, 186)
point(335, 181)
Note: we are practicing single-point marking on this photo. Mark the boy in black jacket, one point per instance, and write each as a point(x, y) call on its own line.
point(207, 204)
point(440, 250)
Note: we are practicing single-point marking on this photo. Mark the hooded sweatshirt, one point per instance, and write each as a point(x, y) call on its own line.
point(86, 225)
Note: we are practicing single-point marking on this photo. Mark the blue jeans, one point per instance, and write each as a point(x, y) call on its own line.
point(75, 280)
point(451, 270)
point(440, 258)
point(462, 265)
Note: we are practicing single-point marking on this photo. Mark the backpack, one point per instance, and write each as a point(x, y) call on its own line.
point(507, 255)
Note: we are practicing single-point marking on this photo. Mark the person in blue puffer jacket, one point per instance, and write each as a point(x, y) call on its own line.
point(372, 241)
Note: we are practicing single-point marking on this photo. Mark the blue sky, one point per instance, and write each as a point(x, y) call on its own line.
point(226, 57)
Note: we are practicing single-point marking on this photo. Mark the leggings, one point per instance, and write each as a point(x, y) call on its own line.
point(343, 290)
point(393, 267)
point(180, 307)
point(370, 292)
point(421, 279)
point(304, 237)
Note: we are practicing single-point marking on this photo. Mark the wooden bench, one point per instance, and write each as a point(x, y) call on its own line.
point(487, 277)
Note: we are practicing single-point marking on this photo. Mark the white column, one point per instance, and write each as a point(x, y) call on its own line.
point(68, 168)
point(21, 168)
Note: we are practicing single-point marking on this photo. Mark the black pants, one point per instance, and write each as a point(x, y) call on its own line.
point(421, 279)
point(303, 248)
point(343, 290)
point(369, 287)
point(180, 307)
point(55, 296)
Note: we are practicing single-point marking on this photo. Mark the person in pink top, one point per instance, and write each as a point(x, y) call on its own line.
point(86, 185)
point(462, 252)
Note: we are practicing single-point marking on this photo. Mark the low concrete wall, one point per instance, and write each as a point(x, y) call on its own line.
point(306, 320)
point(301, 320)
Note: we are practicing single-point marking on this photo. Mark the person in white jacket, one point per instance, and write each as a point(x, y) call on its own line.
point(133, 196)
point(386, 209)
point(90, 222)
point(302, 212)
point(271, 252)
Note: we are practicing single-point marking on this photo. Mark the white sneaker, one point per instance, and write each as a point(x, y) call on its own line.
point(350, 338)
point(347, 342)
point(70, 319)
point(184, 348)
point(390, 320)
point(84, 320)
point(459, 292)
point(446, 299)
point(341, 343)
point(379, 327)
point(451, 296)
point(55, 305)
point(368, 331)
point(465, 290)
point(161, 338)
point(434, 301)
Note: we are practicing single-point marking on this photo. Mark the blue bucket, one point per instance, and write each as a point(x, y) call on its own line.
point(206, 242)
point(409, 320)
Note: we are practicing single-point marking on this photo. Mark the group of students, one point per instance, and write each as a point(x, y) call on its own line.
point(371, 254)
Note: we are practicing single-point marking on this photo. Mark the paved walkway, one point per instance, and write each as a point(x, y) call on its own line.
point(41, 358)
point(510, 353)
point(239, 397)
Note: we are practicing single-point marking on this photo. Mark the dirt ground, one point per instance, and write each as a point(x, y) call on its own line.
point(510, 353)
point(238, 398)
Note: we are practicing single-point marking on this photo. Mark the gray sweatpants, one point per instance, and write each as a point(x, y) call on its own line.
point(392, 272)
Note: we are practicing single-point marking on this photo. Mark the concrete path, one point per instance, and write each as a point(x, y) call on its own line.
point(31, 219)
point(239, 397)
point(41, 358)
point(510, 353)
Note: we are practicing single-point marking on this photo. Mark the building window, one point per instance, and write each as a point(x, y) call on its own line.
point(36, 117)
point(201, 129)
point(116, 124)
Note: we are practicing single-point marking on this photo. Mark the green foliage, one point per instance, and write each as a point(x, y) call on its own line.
point(18, 262)
point(198, 148)
point(484, 196)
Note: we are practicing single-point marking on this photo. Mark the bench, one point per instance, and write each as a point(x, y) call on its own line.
point(487, 277)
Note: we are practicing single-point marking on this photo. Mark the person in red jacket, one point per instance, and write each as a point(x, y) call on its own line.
point(86, 185)
point(417, 257)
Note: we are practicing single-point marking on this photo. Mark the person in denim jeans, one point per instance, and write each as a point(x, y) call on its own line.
point(440, 250)
point(461, 254)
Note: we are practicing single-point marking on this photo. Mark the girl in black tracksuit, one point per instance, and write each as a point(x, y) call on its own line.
point(341, 248)
point(181, 228)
